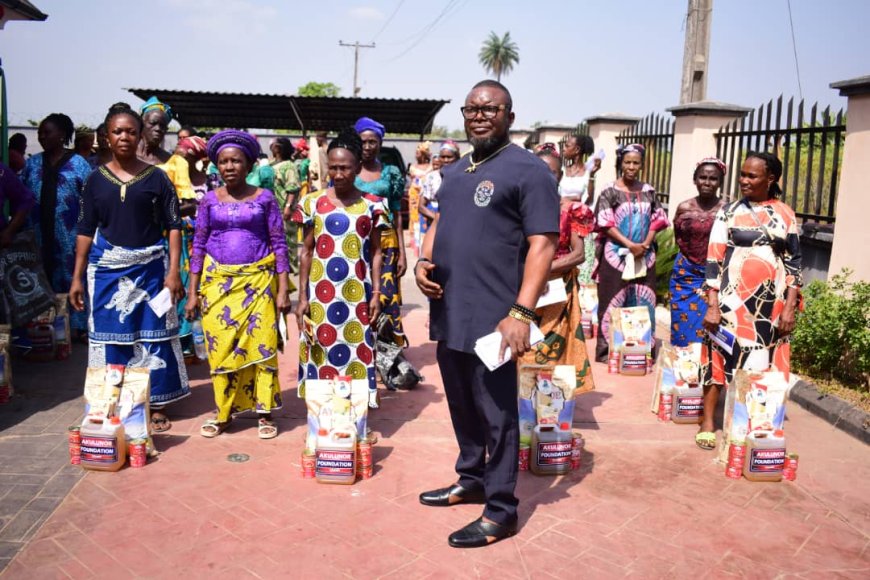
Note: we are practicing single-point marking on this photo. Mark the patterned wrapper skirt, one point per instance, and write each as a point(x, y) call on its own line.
point(688, 306)
point(240, 322)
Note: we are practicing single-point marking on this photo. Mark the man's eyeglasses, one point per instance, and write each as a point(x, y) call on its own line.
point(489, 111)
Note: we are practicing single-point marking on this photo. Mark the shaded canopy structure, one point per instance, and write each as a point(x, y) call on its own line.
point(290, 112)
point(19, 10)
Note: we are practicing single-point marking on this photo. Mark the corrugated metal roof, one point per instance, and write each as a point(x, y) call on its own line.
point(260, 111)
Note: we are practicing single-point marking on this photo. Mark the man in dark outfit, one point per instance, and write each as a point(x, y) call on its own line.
point(486, 260)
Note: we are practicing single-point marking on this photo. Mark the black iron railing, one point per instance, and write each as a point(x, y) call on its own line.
point(656, 134)
point(810, 147)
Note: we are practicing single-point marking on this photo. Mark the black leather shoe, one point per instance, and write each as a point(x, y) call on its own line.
point(442, 497)
point(480, 533)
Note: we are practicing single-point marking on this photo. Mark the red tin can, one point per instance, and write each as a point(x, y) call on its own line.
point(737, 461)
point(309, 463)
point(74, 433)
point(613, 363)
point(733, 472)
point(5, 392)
point(525, 457)
point(666, 405)
point(789, 470)
point(75, 454)
point(737, 449)
point(137, 450)
point(364, 452)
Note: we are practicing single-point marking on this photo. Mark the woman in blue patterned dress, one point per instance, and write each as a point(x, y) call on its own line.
point(57, 176)
point(387, 183)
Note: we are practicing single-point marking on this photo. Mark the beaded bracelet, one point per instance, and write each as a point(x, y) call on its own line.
point(523, 310)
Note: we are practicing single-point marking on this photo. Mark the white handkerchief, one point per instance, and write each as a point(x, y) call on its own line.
point(487, 347)
point(161, 303)
point(554, 292)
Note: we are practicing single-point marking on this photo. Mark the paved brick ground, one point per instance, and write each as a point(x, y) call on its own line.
point(647, 503)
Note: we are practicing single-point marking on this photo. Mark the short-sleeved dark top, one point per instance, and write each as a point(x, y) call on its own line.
point(480, 245)
point(149, 207)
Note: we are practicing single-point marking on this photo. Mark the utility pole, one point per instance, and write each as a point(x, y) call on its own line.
point(356, 46)
point(696, 54)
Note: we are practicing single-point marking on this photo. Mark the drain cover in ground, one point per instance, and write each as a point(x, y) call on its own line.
point(238, 457)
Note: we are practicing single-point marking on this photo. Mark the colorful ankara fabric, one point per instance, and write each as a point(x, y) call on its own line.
point(564, 342)
point(390, 187)
point(754, 257)
point(339, 288)
point(286, 185)
point(688, 305)
point(634, 214)
point(240, 323)
point(123, 327)
point(692, 225)
point(55, 215)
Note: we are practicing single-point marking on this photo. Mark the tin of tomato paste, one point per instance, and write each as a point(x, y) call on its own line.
point(4, 394)
point(733, 472)
point(365, 472)
point(74, 433)
point(613, 363)
point(737, 449)
point(364, 451)
point(577, 445)
point(789, 469)
point(666, 406)
point(524, 457)
point(309, 464)
point(649, 362)
point(737, 461)
point(138, 452)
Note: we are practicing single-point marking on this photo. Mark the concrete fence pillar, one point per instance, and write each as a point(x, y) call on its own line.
point(852, 232)
point(604, 129)
point(695, 127)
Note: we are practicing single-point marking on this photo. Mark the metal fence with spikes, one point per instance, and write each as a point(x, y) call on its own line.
point(810, 147)
point(656, 134)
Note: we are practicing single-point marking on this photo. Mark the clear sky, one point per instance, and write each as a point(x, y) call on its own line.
point(577, 58)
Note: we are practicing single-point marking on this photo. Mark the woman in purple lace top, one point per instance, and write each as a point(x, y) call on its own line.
point(240, 257)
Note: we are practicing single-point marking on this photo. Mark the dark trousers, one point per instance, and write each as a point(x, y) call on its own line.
point(483, 408)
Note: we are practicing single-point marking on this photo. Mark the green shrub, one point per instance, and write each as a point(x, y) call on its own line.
point(832, 335)
point(666, 252)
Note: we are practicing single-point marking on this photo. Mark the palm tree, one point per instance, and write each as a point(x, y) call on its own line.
point(499, 55)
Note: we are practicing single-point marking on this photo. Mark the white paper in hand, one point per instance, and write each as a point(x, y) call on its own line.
point(487, 347)
point(161, 303)
point(554, 293)
point(590, 163)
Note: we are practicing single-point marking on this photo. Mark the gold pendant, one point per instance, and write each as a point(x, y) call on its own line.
point(471, 169)
point(123, 191)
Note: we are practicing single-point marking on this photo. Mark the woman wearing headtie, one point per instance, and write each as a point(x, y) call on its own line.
point(127, 205)
point(239, 281)
point(561, 322)
point(302, 163)
point(416, 173)
point(627, 216)
point(57, 176)
point(387, 183)
point(190, 185)
point(156, 117)
point(448, 153)
point(753, 281)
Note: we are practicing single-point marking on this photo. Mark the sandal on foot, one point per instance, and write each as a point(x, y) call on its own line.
point(160, 423)
point(212, 428)
point(373, 400)
point(266, 429)
point(706, 440)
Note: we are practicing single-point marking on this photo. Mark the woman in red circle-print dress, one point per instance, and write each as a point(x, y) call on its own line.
point(340, 257)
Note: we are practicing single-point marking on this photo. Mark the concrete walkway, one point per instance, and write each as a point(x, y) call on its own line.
point(646, 503)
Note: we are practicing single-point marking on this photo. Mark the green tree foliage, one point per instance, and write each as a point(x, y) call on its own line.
point(315, 89)
point(498, 55)
point(831, 339)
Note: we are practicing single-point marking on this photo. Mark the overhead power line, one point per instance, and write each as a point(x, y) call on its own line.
point(794, 50)
point(390, 19)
